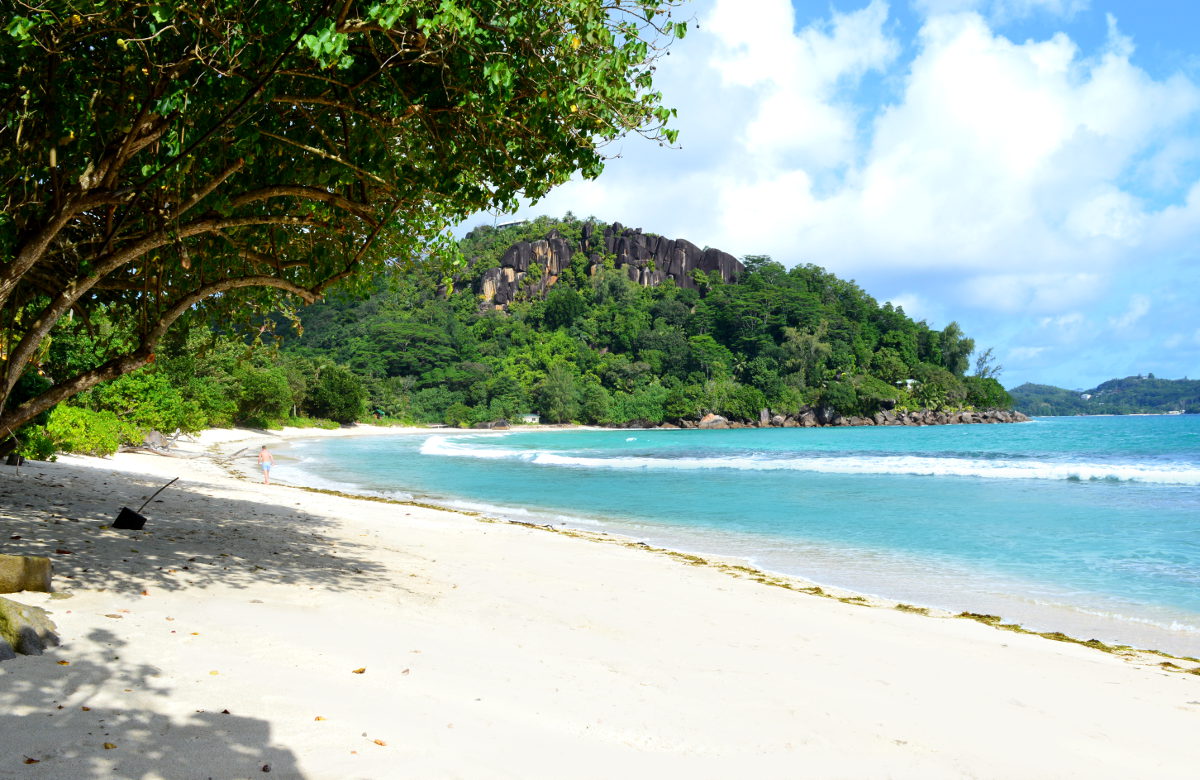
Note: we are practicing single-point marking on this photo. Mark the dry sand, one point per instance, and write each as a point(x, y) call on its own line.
point(250, 628)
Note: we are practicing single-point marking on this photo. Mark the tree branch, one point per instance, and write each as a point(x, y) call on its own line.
point(327, 156)
point(74, 290)
point(307, 193)
point(123, 364)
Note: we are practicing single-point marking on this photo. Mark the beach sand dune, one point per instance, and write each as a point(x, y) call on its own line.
point(253, 629)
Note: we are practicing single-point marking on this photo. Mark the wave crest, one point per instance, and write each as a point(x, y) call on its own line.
point(910, 465)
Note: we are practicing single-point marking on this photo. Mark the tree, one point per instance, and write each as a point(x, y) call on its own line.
point(806, 353)
point(712, 357)
point(956, 349)
point(336, 394)
point(986, 366)
point(225, 160)
point(558, 394)
point(563, 306)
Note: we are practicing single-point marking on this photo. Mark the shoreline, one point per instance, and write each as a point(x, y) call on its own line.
point(1101, 618)
point(505, 651)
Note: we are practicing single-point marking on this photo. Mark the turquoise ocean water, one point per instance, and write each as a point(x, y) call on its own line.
point(1088, 525)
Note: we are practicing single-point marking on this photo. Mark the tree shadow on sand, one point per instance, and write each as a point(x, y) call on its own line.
point(61, 722)
point(191, 539)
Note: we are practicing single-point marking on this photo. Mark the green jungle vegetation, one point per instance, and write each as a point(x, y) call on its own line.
point(193, 167)
point(1131, 395)
point(599, 349)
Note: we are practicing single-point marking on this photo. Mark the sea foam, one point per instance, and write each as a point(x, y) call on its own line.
point(913, 465)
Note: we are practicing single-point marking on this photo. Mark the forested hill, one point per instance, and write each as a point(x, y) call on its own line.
point(622, 335)
point(634, 329)
point(1131, 395)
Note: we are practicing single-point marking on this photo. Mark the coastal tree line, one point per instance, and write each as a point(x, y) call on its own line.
point(598, 349)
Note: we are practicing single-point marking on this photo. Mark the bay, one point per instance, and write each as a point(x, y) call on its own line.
point(1086, 525)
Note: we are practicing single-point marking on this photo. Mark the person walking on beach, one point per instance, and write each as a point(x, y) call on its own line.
point(266, 460)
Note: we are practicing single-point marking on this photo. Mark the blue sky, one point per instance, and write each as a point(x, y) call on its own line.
point(1029, 168)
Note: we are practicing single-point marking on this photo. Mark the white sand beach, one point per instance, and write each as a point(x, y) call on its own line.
point(252, 630)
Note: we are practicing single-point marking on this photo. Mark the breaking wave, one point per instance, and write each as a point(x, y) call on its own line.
point(912, 465)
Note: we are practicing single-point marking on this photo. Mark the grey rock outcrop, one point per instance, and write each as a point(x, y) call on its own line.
point(24, 572)
point(818, 417)
point(24, 629)
point(528, 269)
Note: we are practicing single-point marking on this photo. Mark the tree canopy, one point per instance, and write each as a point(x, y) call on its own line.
point(602, 349)
point(217, 160)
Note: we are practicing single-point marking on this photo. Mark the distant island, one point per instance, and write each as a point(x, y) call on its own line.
point(1131, 395)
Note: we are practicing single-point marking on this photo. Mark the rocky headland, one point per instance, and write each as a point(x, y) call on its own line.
point(528, 269)
point(819, 417)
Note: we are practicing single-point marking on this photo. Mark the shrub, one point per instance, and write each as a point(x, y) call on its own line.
point(840, 396)
point(459, 415)
point(265, 396)
point(872, 393)
point(35, 443)
point(87, 432)
point(147, 400)
point(336, 393)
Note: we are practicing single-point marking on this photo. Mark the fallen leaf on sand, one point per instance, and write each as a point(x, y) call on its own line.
point(64, 663)
point(406, 671)
point(318, 718)
point(29, 760)
point(380, 742)
point(109, 746)
point(86, 709)
point(145, 593)
point(114, 617)
point(360, 671)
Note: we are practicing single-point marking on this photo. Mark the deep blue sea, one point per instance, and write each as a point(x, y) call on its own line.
point(1088, 525)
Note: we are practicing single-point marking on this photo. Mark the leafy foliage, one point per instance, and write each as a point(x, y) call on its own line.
point(85, 431)
point(218, 162)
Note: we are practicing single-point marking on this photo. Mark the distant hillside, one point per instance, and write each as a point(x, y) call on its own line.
point(594, 322)
point(1131, 395)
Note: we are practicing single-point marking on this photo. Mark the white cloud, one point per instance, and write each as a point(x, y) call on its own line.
point(913, 304)
point(798, 119)
point(996, 155)
point(1065, 329)
point(1072, 320)
point(1026, 353)
point(1002, 10)
point(998, 181)
point(1139, 307)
